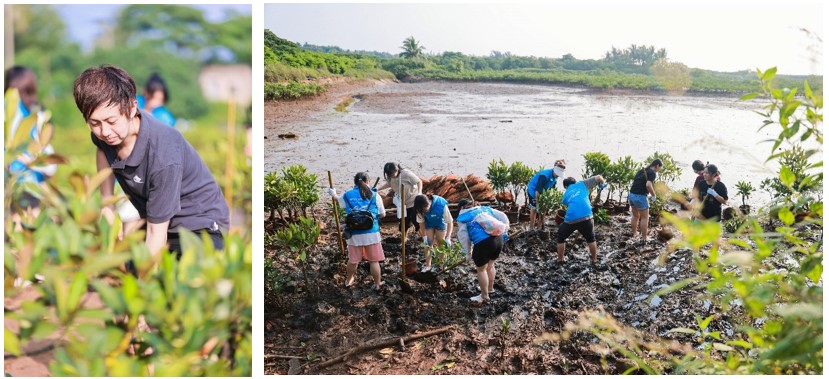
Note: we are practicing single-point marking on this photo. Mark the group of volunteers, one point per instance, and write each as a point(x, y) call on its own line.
point(482, 231)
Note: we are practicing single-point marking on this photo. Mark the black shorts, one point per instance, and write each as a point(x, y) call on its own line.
point(584, 227)
point(487, 250)
point(411, 219)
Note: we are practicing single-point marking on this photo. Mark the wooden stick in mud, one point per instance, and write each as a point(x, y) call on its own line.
point(272, 356)
point(381, 344)
point(402, 234)
point(336, 216)
point(468, 191)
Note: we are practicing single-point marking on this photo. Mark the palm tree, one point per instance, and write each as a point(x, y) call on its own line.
point(411, 48)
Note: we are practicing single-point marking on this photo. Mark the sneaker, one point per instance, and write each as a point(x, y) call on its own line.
point(478, 299)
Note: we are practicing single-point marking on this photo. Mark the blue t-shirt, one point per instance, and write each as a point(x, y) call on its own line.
point(541, 181)
point(577, 199)
point(161, 113)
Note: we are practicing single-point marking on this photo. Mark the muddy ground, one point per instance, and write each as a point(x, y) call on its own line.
point(533, 292)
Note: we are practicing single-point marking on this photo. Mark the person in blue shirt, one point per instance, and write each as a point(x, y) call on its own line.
point(544, 179)
point(154, 96)
point(481, 247)
point(23, 79)
point(363, 244)
point(435, 223)
point(579, 214)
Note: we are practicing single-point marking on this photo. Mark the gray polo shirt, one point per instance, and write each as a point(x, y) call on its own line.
point(166, 179)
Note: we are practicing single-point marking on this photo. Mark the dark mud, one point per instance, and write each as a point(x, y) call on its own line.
point(533, 292)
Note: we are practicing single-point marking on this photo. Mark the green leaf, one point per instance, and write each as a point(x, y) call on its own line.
point(10, 342)
point(787, 176)
point(740, 343)
point(109, 296)
point(44, 330)
point(676, 286)
point(683, 330)
point(704, 323)
point(76, 290)
point(769, 74)
point(785, 215)
point(749, 96)
point(816, 273)
point(722, 347)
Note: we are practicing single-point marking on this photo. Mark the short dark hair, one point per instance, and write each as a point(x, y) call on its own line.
point(712, 169)
point(154, 84)
point(104, 85)
point(656, 162)
point(698, 165)
point(464, 202)
point(14, 73)
point(567, 182)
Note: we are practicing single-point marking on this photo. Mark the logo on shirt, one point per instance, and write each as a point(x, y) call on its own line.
point(137, 179)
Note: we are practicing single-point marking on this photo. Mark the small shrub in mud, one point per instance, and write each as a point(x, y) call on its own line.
point(519, 176)
point(448, 255)
point(290, 193)
point(619, 175)
point(670, 169)
point(595, 163)
point(297, 239)
point(498, 174)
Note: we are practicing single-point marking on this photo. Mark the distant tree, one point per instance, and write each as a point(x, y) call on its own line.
point(411, 48)
point(674, 76)
point(634, 56)
point(178, 28)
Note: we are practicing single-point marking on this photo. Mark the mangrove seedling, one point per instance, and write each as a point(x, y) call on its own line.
point(744, 189)
point(298, 238)
point(596, 163)
point(519, 176)
point(498, 175)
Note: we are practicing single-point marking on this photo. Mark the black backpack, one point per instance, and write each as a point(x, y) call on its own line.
point(359, 219)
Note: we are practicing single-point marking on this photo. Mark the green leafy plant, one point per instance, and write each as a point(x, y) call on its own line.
point(506, 324)
point(620, 174)
point(595, 163)
point(601, 216)
point(549, 201)
point(293, 192)
point(670, 169)
point(298, 238)
point(744, 189)
point(519, 176)
point(447, 256)
point(498, 174)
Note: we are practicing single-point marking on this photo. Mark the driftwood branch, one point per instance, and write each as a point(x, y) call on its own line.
point(274, 356)
point(381, 344)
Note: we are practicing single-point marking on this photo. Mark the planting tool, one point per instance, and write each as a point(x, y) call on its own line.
point(402, 234)
point(336, 216)
point(467, 190)
point(375, 183)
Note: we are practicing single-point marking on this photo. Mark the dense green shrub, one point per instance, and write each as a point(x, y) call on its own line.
point(292, 191)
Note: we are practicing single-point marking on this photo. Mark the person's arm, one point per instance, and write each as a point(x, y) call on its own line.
point(156, 236)
point(719, 192)
point(649, 183)
point(381, 209)
point(447, 218)
point(107, 187)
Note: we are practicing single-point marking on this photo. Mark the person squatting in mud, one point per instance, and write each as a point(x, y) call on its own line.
point(363, 244)
point(712, 193)
point(401, 179)
point(482, 232)
point(641, 194)
point(159, 171)
point(542, 180)
point(579, 214)
point(436, 223)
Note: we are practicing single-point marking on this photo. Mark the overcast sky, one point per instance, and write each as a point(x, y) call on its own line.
point(716, 35)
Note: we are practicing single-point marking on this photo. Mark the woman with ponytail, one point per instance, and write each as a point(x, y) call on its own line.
point(639, 200)
point(363, 244)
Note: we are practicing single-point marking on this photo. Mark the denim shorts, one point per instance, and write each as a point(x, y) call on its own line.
point(638, 201)
point(532, 202)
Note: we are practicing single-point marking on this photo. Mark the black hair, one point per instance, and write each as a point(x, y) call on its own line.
point(464, 202)
point(104, 85)
point(14, 73)
point(361, 181)
point(389, 168)
point(567, 182)
point(156, 83)
point(712, 169)
point(698, 165)
point(656, 162)
point(421, 202)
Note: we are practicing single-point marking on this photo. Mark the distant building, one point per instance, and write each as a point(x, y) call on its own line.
point(220, 82)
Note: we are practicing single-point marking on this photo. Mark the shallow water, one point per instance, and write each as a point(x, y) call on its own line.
point(438, 128)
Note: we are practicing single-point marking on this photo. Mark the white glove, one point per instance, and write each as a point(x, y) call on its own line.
point(332, 192)
point(448, 241)
point(396, 200)
point(712, 192)
point(651, 198)
point(426, 240)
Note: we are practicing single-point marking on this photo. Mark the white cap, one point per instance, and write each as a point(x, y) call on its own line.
point(558, 171)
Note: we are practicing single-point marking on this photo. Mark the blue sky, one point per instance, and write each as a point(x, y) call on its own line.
point(725, 35)
point(84, 22)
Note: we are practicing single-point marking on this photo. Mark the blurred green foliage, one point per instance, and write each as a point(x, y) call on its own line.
point(173, 40)
point(57, 260)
